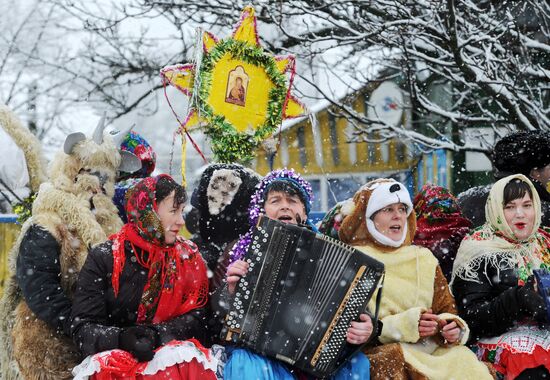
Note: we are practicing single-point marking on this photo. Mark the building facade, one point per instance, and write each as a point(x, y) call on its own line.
point(325, 153)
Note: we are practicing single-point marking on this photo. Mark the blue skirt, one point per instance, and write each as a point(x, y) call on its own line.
point(243, 364)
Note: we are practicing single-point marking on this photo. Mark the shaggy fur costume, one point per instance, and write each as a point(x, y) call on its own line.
point(75, 211)
point(413, 284)
point(29, 145)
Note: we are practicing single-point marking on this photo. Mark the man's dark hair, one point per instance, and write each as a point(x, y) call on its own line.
point(516, 189)
point(165, 186)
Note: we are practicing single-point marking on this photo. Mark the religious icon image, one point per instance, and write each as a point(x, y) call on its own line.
point(237, 83)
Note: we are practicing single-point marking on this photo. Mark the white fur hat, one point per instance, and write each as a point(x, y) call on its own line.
point(387, 193)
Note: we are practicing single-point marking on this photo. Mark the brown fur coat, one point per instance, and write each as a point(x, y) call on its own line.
point(413, 284)
point(31, 349)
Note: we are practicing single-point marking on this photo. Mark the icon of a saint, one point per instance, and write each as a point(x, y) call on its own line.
point(236, 87)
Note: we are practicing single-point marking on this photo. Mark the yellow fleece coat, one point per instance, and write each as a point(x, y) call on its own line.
point(414, 283)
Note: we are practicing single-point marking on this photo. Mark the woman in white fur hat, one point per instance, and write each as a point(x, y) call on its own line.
point(422, 337)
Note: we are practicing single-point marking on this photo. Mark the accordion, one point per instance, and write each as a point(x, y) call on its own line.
point(299, 297)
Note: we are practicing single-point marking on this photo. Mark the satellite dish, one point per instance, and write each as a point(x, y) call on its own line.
point(386, 104)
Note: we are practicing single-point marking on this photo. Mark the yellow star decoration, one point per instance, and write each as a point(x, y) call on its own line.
point(240, 94)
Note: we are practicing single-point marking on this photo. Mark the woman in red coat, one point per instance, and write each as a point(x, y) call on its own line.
point(138, 309)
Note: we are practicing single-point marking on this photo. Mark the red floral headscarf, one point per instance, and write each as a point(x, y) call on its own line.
point(141, 210)
point(440, 226)
point(177, 282)
point(436, 208)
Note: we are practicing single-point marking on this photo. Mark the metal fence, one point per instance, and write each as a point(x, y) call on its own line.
point(9, 229)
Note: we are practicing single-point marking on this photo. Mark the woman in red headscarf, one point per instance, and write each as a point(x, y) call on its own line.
point(440, 225)
point(138, 308)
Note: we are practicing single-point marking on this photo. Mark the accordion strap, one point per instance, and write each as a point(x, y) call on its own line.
point(376, 323)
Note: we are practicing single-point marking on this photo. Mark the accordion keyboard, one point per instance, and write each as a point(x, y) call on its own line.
point(335, 337)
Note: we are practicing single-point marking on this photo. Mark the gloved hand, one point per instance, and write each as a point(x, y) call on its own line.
point(531, 302)
point(140, 341)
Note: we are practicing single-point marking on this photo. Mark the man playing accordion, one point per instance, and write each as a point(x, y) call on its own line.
point(285, 196)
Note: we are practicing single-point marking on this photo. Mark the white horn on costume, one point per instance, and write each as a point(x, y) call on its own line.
point(98, 132)
point(120, 135)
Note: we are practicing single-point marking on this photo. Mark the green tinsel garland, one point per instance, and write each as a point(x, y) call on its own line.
point(24, 209)
point(227, 143)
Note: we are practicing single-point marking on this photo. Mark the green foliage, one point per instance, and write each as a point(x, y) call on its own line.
point(24, 209)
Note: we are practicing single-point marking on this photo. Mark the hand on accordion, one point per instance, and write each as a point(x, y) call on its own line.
point(234, 273)
point(360, 332)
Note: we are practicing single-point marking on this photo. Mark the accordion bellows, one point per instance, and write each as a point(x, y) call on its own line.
point(300, 294)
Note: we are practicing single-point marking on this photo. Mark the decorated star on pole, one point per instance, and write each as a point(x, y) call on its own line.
point(239, 93)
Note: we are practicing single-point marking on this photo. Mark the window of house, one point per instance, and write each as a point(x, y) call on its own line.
point(333, 134)
point(352, 146)
point(316, 189)
point(400, 151)
point(343, 188)
point(371, 148)
point(301, 136)
point(285, 158)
